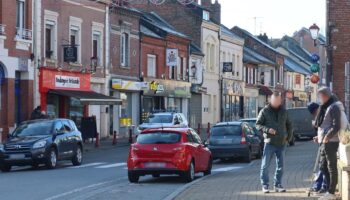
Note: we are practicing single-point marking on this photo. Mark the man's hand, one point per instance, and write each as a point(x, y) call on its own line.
point(272, 131)
point(325, 140)
point(315, 139)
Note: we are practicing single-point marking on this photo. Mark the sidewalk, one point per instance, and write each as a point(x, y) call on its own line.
point(245, 184)
point(105, 144)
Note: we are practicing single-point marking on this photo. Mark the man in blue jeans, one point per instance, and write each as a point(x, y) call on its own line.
point(274, 122)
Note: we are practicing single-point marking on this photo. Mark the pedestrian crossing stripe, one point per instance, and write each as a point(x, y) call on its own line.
point(111, 165)
point(87, 165)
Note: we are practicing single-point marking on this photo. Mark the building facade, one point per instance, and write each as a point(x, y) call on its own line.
point(164, 66)
point(71, 40)
point(16, 69)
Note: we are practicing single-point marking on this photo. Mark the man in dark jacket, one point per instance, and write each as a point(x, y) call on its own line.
point(274, 122)
point(328, 122)
point(36, 114)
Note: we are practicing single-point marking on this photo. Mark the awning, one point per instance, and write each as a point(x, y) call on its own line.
point(264, 90)
point(88, 97)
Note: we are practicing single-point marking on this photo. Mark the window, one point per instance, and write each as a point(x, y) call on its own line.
point(272, 76)
point(178, 68)
point(20, 15)
point(67, 126)
point(238, 66)
point(250, 75)
point(49, 40)
point(75, 35)
point(234, 64)
point(189, 138)
point(206, 15)
point(212, 57)
point(184, 69)
point(58, 127)
point(262, 78)
point(172, 72)
point(151, 66)
point(124, 52)
point(97, 47)
point(196, 138)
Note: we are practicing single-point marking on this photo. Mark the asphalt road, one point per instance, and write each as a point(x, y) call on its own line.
point(103, 175)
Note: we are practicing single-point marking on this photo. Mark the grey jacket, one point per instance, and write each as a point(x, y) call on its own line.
point(331, 124)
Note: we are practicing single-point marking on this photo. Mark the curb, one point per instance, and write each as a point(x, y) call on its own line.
point(181, 189)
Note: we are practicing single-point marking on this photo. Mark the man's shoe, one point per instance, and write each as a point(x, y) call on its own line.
point(265, 189)
point(328, 196)
point(279, 188)
point(322, 191)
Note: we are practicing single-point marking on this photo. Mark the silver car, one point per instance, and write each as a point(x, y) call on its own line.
point(164, 119)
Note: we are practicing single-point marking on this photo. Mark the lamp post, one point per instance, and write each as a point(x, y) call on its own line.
point(314, 30)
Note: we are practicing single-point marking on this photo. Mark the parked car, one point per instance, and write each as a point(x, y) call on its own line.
point(168, 151)
point(252, 123)
point(302, 123)
point(42, 142)
point(234, 139)
point(164, 119)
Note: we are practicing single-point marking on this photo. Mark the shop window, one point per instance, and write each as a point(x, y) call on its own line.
point(97, 47)
point(76, 111)
point(124, 50)
point(126, 109)
point(151, 65)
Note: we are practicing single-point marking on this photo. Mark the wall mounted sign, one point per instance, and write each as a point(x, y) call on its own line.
point(67, 81)
point(23, 64)
point(70, 54)
point(227, 67)
point(171, 57)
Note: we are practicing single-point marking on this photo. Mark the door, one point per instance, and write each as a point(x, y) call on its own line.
point(61, 140)
point(202, 154)
point(69, 137)
point(18, 97)
point(252, 138)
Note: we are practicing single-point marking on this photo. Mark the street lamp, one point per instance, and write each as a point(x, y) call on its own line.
point(314, 30)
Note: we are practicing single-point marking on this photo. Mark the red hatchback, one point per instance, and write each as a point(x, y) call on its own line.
point(168, 151)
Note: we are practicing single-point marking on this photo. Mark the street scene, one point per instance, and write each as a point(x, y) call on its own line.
point(174, 99)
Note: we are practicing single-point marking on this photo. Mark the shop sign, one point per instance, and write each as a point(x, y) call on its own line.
point(70, 54)
point(171, 57)
point(156, 87)
point(23, 64)
point(116, 84)
point(119, 84)
point(227, 67)
point(67, 81)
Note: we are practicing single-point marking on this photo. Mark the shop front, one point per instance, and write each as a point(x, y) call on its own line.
point(232, 100)
point(165, 95)
point(251, 95)
point(66, 94)
point(127, 114)
point(300, 98)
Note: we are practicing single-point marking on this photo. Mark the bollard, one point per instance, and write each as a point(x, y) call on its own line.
point(97, 143)
point(114, 138)
point(199, 129)
point(208, 130)
point(130, 136)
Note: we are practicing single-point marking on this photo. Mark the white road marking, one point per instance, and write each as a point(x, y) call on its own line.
point(88, 165)
point(226, 169)
point(111, 165)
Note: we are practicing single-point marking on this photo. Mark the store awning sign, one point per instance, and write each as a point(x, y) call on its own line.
point(117, 84)
point(67, 81)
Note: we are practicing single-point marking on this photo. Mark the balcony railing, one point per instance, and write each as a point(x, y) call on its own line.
point(24, 34)
point(2, 29)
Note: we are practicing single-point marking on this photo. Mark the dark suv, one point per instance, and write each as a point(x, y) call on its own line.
point(42, 142)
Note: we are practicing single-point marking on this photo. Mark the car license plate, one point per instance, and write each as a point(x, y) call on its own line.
point(154, 165)
point(226, 141)
point(17, 156)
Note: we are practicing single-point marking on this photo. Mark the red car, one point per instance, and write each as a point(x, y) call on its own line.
point(168, 151)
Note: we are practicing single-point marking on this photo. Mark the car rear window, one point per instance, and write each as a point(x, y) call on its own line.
point(226, 130)
point(160, 119)
point(158, 138)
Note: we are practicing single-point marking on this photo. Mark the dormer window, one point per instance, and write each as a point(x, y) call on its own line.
point(206, 15)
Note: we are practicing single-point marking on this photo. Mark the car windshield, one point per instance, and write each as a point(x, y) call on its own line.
point(226, 130)
point(33, 129)
point(160, 119)
point(158, 138)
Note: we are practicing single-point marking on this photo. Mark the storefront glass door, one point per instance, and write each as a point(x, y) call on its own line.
point(52, 105)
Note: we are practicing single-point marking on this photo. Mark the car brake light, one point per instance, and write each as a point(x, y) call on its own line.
point(243, 139)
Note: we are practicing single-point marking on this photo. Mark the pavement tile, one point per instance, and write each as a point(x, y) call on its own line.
point(245, 184)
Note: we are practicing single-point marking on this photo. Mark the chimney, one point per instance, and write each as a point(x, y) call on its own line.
point(214, 9)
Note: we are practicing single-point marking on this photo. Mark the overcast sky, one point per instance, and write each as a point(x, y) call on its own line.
point(275, 17)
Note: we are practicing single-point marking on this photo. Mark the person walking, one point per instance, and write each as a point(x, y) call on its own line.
point(274, 122)
point(36, 114)
point(330, 120)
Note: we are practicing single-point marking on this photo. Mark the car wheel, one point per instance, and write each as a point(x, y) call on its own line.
point(209, 167)
point(133, 178)
point(190, 173)
point(5, 168)
point(155, 175)
point(248, 157)
point(78, 157)
point(51, 160)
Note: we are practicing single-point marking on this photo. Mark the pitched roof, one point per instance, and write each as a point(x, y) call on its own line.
point(250, 56)
point(293, 66)
point(146, 31)
point(293, 47)
point(228, 32)
point(194, 49)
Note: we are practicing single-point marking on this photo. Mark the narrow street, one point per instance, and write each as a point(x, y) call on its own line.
point(103, 175)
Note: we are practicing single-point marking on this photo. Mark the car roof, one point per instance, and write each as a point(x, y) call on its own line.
point(249, 119)
point(44, 120)
point(163, 113)
point(169, 129)
point(234, 123)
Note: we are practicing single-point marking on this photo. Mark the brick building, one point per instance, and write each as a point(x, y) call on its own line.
point(270, 73)
point(71, 41)
point(124, 71)
point(164, 66)
point(16, 70)
point(338, 49)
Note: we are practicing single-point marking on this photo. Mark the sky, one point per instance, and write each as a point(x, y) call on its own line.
point(276, 18)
